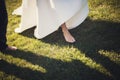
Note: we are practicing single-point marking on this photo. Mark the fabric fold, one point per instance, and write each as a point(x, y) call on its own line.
point(49, 15)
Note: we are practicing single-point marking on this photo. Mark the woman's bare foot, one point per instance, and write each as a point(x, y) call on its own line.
point(67, 35)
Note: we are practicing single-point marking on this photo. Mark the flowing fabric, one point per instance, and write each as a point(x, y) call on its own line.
point(49, 15)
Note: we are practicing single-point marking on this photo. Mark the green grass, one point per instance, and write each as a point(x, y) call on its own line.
point(95, 55)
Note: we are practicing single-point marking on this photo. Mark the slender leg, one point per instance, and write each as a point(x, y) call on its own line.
point(67, 35)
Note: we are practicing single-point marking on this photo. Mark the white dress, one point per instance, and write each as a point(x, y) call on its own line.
point(49, 15)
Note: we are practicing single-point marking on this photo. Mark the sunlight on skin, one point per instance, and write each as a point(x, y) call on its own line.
point(22, 63)
point(111, 55)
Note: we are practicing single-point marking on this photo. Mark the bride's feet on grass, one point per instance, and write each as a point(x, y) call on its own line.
point(67, 35)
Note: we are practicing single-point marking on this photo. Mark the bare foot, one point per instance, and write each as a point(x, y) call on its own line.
point(11, 48)
point(67, 35)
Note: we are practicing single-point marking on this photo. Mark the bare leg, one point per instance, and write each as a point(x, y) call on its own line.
point(67, 35)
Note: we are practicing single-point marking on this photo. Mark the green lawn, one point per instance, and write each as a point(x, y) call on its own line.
point(95, 55)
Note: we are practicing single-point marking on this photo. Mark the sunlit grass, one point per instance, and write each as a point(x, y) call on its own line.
point(4, 76)
point(58, 60)
point(22, 63)
point(113, 56)
point(92, 64)
point(105, 10)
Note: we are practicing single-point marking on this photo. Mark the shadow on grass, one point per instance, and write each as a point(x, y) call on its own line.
point(96, 36)
point(103, 35)
point(56, 69)
point(91, 37)
point(22, 73)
